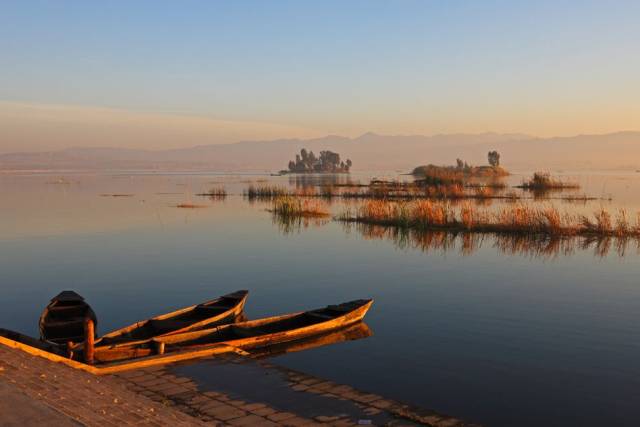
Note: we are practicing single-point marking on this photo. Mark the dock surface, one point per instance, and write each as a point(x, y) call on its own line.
point(36, 391)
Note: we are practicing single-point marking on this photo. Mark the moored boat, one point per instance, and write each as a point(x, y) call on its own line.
point(63, 319)
point(207, 314)
point(242, 336)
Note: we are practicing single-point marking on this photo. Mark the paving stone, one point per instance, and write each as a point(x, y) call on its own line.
point(212, 394)
point(300, 387)
point(128, 398)
point(93, 401)
point(366, 398)
point(263, 412)
point(225, 412)
point(310, 381)
point(324, 386)
point(237, 403)
point(372, 411)
point(280, 416)
point(172, 390)
point(252, 406)
point(326, 419)
point(298, 422)
point(249, 420)
point(382, 403)
point(203, 407)
point(343, 423)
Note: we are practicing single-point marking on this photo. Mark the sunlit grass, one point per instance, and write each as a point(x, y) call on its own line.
point(544, 181)
point(518, 218)
point(289, 206)
point(265, 191)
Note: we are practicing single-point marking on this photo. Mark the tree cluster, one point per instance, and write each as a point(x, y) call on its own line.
point(328, 161)
point(493, 157)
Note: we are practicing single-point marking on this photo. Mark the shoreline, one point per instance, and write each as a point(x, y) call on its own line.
point(177, 395)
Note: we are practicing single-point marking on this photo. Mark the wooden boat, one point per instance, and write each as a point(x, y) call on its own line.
point(63, 320)
point(243, 336)
point(192, 318)
point(51, 352)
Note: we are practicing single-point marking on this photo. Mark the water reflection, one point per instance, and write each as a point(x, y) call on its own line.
point(321, 180)
point(355, 332)
point(530, 245)
point(289, 224)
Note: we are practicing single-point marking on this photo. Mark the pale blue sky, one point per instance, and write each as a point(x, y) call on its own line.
point(544, 67)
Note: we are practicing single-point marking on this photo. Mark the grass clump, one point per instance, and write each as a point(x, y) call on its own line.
point(433, 174)
point(514, 219)
point(265, 192)
point(289, 206)
point(541, 181)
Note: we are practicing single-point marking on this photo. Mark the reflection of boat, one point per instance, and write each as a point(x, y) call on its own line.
point(63, 320)
point(354, 332)
point(244, 335)
point(210, 313)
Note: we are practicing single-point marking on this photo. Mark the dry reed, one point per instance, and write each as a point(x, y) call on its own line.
point(542, 181)
point(295, 207)
point(513, 219)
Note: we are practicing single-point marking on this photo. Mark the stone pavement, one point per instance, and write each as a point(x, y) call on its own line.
point(31, 412)
point(58, 391)
point(39, 389)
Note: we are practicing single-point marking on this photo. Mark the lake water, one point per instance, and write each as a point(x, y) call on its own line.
point(497, 333)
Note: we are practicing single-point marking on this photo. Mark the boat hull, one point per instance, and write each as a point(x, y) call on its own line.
point(176, 322)
point(227, 335)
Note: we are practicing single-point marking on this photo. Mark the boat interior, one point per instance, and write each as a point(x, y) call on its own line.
point(286, 323)
point(156, 327)
point(64, 320)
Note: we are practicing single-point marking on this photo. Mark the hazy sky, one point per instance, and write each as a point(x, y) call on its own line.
point(167, 74)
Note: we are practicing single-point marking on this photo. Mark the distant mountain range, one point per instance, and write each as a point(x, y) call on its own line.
point(368, 152)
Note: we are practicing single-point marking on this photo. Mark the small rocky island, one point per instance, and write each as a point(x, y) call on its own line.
point(327, 162)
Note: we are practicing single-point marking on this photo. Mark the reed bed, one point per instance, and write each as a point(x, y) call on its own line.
point(432, 174)
point(287, 206)
point(265, 192)
point(397, 190)
point(542, 181)
point(513, 219)
point(442, 191)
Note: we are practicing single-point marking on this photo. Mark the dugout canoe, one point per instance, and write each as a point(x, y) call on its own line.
point(63, 319)
point(207, 314)
point(241, 336)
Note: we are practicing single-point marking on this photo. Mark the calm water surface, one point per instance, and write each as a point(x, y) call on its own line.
point(501, 337)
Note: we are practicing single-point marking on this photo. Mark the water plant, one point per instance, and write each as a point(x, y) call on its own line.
point(543, 181)
point(265, 191)
point(288, 206)
point(215, 193)
point(516, 218)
